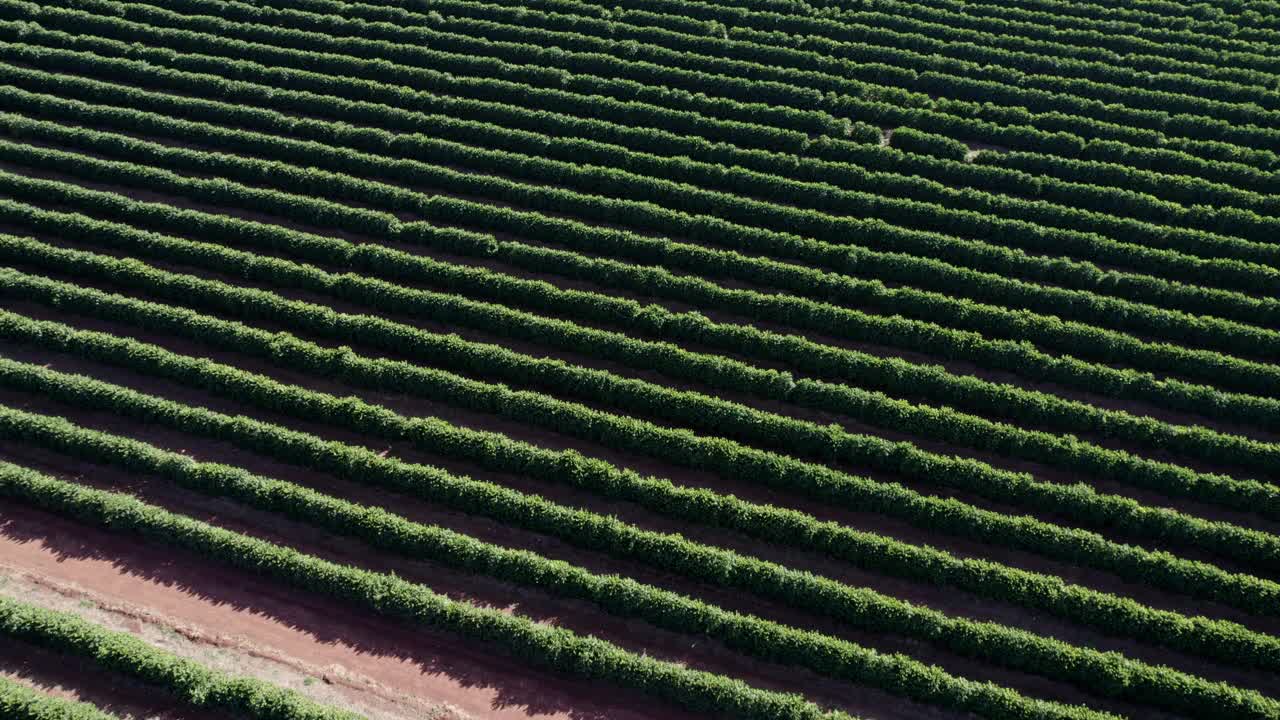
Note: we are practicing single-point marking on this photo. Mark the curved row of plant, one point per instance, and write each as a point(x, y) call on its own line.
point(894, 375)
point(916, 202)
point(1180, 36)
point(892, 266)
point(879, 45)
point(1088, 342)
point(540, 645)
point(1218, 639)
point(1202, 195)
point(1136, 681)
point(1142, 19)
point(480, 82)
point(474, 58)
point(19, 702)
point(1248, 547)
point(1198, 26)
point(1169, 73)
point(1108, 674)
point(489, 82)
point(857, 148)
point(897, 674)
point(916, 381)
point(1246, 125)
point(1017, 357)
point(461, 55)
point(124, 654)
point(721, 372)
point(631, 434)
point(1024, 36)
point(661, 182)
point(1093, 106)
point(1172, 155)
point(1251, 45)
point(862, 369)
point(919, 62)
point(1029, 55)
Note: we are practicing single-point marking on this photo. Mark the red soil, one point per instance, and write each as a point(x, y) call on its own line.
point(477, 681)
point(471, 677)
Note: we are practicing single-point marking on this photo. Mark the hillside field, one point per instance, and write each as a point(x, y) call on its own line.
point(640, 359)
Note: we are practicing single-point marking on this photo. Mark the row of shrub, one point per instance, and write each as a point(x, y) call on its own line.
point(1053, 269)
point(1198, 187)
point(913, 59)
point(895, 376)
point(540, 645)
point(1085, 341)
point(716, 371)
point(1182, 43)
point(491, 79)
point(970, 58)
point(1106, 673)
point(1017, 357)
point(1201, 26)
point(19, 702)
point(126, 655)
point(1172, 154)
point(1086, 108)
point(861, 368)
point(896, 674)
point(958, 121)
point(974, 224)
point(1089, 306)
point(1168, 157)
point(1213, 111)
point(625, 433)
point(1044, 56)
point(998, 32)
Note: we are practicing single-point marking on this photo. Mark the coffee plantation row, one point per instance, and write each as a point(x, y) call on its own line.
point(683, 358)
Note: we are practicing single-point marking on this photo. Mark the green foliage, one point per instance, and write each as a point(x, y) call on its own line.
point(932, 218)
point(535, 643)
point(1108, 673)
point(19, 702)
point(1220, 640)
point(914, 141)
point(686, 408)
point(1081, 275)
point(1017, 357)
point(1092, 109)
point(1118, 240)
point(119, 652)
point(893, 376)
point(896, 674)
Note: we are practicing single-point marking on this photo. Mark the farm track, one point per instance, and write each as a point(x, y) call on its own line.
point(642, 359)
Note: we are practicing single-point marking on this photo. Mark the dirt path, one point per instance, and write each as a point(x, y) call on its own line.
point(372, 663)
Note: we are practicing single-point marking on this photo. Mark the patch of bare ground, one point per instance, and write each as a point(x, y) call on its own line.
point(945, 599)
point(467, 678)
